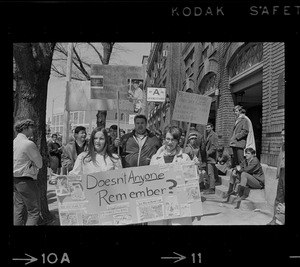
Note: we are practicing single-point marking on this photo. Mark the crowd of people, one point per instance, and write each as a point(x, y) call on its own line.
point(106, 150)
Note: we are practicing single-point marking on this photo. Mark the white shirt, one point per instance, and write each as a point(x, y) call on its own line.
point(102, 165)
point(27, 158)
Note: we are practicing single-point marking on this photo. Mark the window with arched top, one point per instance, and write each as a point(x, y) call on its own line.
point(246, 58)
point(208, 83)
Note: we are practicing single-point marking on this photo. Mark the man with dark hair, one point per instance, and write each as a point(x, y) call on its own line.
point(211, 144)
point(140, 145)
point(113, 140)
point(74, 148)
point(239, 136)
point(27, 162)
point(249, 175)
point(54, 150)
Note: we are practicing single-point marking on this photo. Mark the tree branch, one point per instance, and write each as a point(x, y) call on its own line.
point(97, 52)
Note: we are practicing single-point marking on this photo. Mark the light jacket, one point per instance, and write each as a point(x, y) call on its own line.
point(250, 141)
point(158, 158)
point(27, 158)
point(82, 166)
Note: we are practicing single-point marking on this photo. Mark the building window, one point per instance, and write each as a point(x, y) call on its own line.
point(80, 121)
point(75, 117)
point(116, 116)
point(122, 116)
point(189, 64)
point(71, 116)
point(57, 120)
point(280, 99)
point(246, 58)
point(208, 83)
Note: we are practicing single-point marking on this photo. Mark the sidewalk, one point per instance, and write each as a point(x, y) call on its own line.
point(215, 212)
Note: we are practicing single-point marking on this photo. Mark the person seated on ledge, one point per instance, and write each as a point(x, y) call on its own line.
point(223, 161)
point(248, 175)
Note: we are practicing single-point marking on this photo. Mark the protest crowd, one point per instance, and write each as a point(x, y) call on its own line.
point(106, 149)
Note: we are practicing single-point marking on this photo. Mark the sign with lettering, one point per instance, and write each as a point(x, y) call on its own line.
point(131, 195)
point(155, 94)
point(192, 108)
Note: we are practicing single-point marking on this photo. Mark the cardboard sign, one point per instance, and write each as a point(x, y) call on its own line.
point(192, 108)
point(131, 195)
point(79, 98)
point(155, 94)
point(106, 80)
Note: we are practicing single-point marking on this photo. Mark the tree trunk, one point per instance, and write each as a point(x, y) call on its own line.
point(33, 65)
point(101, 114)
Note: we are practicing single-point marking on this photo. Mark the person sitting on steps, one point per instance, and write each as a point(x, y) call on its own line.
point(249, 175)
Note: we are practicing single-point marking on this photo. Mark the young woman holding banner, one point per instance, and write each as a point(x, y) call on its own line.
point(171, 152)
point(98, 158)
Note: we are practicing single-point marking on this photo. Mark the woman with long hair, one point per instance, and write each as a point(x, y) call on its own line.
point(98, 157)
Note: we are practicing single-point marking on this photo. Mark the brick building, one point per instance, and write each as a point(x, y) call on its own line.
point(250, 74)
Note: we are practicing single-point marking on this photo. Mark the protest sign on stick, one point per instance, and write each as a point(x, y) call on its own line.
point(191, 108)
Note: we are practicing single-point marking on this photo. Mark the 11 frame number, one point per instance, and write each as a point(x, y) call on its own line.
point(196, 257)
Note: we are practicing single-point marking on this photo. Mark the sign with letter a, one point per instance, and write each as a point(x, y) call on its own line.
point(155, 94)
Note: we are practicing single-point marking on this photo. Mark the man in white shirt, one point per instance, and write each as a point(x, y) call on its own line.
point(27, 162)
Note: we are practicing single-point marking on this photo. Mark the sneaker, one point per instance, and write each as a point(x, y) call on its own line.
point(209, 191)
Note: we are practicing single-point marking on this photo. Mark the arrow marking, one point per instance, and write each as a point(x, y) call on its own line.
point(180, 258)
point(30, 260)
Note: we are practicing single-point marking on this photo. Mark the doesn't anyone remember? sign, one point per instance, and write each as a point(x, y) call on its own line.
point(131, 195)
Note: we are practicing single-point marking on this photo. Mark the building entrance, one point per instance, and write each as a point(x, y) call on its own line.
point(251, 100)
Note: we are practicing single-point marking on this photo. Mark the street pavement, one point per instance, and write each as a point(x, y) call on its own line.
point(215, 212)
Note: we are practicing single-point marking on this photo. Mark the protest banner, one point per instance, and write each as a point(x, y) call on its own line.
point(155, 94)
point(193, 108)
point(130, 195)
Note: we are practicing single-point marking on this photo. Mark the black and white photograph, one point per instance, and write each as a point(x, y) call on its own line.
point(83, 87)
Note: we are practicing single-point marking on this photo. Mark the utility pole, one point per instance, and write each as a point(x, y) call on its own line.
point(68, 80)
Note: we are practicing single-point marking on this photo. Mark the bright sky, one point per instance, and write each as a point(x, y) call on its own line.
point(56, 86)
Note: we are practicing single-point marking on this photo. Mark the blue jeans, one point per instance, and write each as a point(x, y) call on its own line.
point(26, 202)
